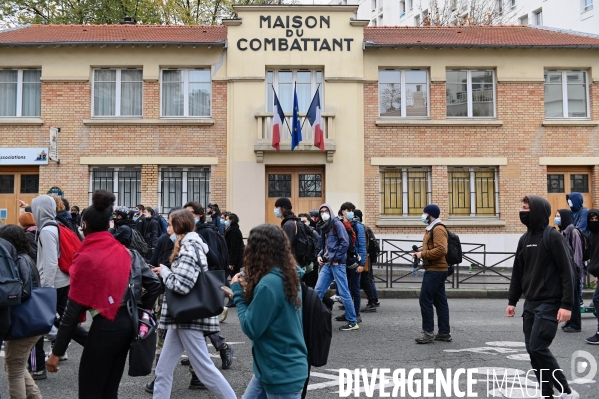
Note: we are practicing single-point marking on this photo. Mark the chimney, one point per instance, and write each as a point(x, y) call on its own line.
point(128, 21)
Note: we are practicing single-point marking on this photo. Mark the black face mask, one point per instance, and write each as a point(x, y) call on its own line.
point(594, 225)
point(525, 218)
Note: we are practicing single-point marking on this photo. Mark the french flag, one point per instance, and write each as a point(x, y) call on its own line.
point(277, 123)
point(315, 119)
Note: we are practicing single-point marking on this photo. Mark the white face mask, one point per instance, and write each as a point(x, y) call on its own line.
point(570, 203)
point(325, 216)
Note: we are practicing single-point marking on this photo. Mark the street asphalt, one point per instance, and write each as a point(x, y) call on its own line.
point(483, 339)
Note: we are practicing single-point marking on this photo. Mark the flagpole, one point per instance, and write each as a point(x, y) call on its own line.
point(289, 127)
point(313, 98)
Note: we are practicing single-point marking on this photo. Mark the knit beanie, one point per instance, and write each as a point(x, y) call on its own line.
point(283, 203)
point(433, 210)
point(26, 219)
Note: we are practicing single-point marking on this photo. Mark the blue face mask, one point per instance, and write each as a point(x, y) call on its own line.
point(196, 220)
point(278, 213)
point(227, 223)
point(222, 221)
point(349, 215)
point(557, 221)
point(135, 219)
point(424, 218)
point(173, 237)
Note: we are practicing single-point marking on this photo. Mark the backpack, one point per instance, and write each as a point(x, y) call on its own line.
point(318, 327)
point(374, 248)
point(304, 245)
point(68, 243)
point(137, 242)
point(10, 282)
point(586, 249)
point(217, 244)
point(162, 225)
point(454, 246)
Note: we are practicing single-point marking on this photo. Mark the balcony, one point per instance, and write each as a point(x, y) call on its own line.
point(263, 136)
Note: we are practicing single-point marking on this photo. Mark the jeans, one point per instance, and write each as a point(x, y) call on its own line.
point(255, 390)
point(192, 342)
point(104, 356)
point(596, 302)
point(540, 327)
point(432, 294)
point(20, 382)
point(354, 287)
point(337, 272)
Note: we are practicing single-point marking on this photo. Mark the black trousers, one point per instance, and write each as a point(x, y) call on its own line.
point(104, 356)
point(62, 298)
point(366, 285)
point(540, 327)
point(37, 357)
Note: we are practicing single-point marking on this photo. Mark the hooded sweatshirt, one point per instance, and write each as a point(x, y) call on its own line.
point(334, 238)
point(593, 240)
point(541, 274)
point(48, 251)
point(580, 212)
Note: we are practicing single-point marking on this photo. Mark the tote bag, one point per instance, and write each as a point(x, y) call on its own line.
point(204, 300)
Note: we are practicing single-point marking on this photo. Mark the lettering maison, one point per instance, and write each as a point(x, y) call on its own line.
point(295, 27)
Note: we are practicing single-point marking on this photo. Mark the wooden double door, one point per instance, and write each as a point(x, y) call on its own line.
point(304, 186)
point(16, 183)
point(564, 180)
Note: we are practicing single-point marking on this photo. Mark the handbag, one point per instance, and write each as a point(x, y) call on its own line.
point(204, 300)
point(35, 316)
point(143, 347)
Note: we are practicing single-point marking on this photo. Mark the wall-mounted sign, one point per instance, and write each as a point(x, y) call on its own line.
point(24, 156)
point(3, 213)
point(296, 28)
point(53, 152)
point(56, 191)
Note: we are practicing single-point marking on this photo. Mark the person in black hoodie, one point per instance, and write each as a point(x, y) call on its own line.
point(122, 229)
point(213, 211)
point(593, 265)
point(152, 231)
point(544, 276)
point(235, 247)
point(289, 220)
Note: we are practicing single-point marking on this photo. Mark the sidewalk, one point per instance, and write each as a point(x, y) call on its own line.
point(492, 293)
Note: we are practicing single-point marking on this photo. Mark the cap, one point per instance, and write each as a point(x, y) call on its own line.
point(433, 210)
point(122, 211)
point(26, 219)
point(314, 213)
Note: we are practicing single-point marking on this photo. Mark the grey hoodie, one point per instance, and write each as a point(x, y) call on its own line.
point(44, 212)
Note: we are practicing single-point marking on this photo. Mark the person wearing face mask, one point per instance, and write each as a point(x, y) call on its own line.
point(213, 211)
point(152, 230)
point(546, 304)
point(235, 246)
point(575, 201)
point(593, 265)
point(432, 293)
point(563, 219)
point(75, 215)
point(288, 219)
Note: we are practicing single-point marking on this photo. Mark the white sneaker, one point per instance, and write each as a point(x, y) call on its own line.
point(336, 298)
point(223, 315)
point(572, 395)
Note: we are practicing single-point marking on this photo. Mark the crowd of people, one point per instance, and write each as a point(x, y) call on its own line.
point(323, 249)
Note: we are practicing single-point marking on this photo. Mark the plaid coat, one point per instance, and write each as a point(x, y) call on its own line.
point(181, 278)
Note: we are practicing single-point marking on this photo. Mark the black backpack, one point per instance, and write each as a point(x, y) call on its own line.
point(217, 244)
point(586, 249)
point(304, 246)
point(454, 246)
point(374, 248)
point(10, 281)
point(318, 327)
point(137, 242)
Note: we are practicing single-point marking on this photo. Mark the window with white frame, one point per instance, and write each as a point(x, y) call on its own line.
point(180, 185)
point(566, 94)
point(283, 81)
point(587, 5)
point(470, 93)
point(404, 191)
point(513, 3)
point(117, 92)
point(473, 191)
point(537, 17)
point(417, 20)
point(524, 20)
point(410, 4)
point(403, 93)
point(186, 92)
point(20, 92)
point(402, 8)
point(124, 182)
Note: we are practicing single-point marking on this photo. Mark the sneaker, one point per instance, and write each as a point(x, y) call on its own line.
point(223, 315)
point(336, 298)
point(425, 338)
point(226, 355)
point(571, 329)
point(39, 375)
point(349, 327)
point(370, 308)
point(184, 361)
point(341, 317)
point(594, 340)
point(195, 382)
point(572, 395)
point(443, 337)
point(358, 318)
point(149, 388)
point(377, 303)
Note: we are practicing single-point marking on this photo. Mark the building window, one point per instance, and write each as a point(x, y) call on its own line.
point(402, 8)
point(566, 94)
point(180, 185)
point(555, 183)
point(473, 191)
point(417, 20)
point(470, 94)
point(410, 4)
point(538, 17)
point(500, 7)
point(403, 93)
point(30, 184)
point(186, 92)
point(125, 183)
point(7, 184)
point(117, 92)
point(524, 20)
point(20, 92)
point(587, 5)
point(404, 191)
point(284, 81)
point(513, 3)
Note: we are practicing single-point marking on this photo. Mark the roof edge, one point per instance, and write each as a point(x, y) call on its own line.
point(294, 7)
point(369, 44)
point(218, 43)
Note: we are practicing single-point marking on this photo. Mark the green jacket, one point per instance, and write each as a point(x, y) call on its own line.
point(275, 327)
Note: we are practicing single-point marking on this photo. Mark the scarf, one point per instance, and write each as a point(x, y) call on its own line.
point(100, 274)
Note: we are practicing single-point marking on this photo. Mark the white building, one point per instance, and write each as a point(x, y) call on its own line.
point(575, 15)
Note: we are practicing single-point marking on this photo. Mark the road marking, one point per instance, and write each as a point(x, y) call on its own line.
point(488, 350)
point(509, 344)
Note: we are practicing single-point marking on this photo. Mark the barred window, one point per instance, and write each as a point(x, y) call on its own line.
point(473, 191)
point(180, 185)
point(125, 183)
point(404, 191)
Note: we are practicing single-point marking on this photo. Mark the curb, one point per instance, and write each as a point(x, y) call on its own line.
point(406, 293)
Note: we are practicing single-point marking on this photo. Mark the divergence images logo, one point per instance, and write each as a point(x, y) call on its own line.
point(583, 367)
